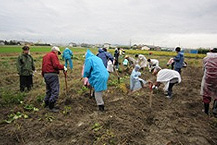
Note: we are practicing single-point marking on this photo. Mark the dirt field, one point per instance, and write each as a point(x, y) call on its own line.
point(128, 119)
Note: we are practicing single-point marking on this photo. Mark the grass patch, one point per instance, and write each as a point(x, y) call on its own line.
point(7, 97)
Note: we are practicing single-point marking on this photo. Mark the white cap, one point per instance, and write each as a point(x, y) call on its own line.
point(56, 49)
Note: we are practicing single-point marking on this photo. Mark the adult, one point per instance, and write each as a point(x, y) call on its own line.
point(209, 81)
point(50, 71)
point(97, 75)
point(142, 61)
point(116, 57)
point(105, 56)
point(152, 63)
point(25, 68)
point(131, 60)
point(179, 60)
point(171, 63)
point(168, 77)
point(136, 82)
point(67, 56)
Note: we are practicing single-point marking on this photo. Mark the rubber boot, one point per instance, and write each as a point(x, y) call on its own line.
point(206, 108)
point(51, 107)
point(46, 104)
point(214, 110)
point(101, 107)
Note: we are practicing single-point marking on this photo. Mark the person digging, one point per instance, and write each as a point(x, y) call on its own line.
point(168, 77)
point(97, 75)
point(136, 83)
point(50, 71)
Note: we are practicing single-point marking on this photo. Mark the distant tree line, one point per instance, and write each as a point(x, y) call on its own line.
point(15, 42)
point(12, 42)
point(203, 51)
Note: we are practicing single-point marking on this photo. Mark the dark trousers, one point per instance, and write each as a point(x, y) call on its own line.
point(178, 70)
point(172, 65)
point(26, 81)
point(171, 84)
point(52, 87)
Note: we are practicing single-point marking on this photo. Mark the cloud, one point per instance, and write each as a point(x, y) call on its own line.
point(165, 23)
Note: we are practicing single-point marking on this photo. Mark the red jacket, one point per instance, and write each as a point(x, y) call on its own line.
point(51, 64)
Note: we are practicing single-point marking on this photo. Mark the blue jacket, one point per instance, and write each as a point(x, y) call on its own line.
point(179, 59)
point(67, 54)
point(96, 72)
point(105, 56)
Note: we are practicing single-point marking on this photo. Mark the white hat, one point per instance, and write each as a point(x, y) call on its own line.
point(56, 49)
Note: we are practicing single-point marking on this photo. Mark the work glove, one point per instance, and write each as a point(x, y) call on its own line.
point(65, 69)
point(154, 87)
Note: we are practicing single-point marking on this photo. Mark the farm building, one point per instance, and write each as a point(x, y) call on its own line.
point(145, 48)
point(2, 42)
point(72, 44)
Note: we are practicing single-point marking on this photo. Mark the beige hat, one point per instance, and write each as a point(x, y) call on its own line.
point(56, 49)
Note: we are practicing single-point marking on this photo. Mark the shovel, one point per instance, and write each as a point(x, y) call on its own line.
point(117, 74)
point(65, 74)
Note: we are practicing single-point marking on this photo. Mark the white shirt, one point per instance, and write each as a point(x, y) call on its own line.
point(143, 61)
point(154, 62)
point(165, 75)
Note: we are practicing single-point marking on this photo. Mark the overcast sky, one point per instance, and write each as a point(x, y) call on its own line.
point(190, 23)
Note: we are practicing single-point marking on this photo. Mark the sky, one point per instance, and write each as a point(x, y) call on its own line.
point(168, 23)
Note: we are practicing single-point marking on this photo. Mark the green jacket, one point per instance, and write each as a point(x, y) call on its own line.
point(25, 65)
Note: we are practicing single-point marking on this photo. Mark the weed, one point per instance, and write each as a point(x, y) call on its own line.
point(82, 90)
point(66, 110)
point(15, 116)
point(30, 108)
point(49, 118)
point(40, 98)
point(7, 97)
point(96, 127)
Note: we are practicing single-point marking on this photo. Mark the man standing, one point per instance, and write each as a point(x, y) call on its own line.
point(209, 81)
point(168, 77)
point(50, 71)
point(25, 67)
point(97, 75)
point(179, 60)
point(67, 56)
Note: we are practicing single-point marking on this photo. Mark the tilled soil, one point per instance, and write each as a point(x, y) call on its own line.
point(128, 118)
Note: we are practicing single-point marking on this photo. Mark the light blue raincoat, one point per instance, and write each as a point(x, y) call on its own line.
point(67, 54)
point(135, 81)
point(96, 72)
